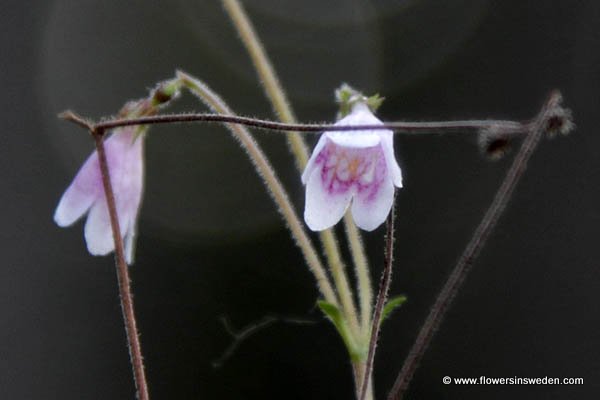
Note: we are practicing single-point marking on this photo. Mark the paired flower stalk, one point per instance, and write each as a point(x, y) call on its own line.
point(349, 168)
point(352, 172)
point(354, 169)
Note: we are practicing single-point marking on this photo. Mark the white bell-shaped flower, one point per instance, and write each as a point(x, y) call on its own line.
point(351, 167)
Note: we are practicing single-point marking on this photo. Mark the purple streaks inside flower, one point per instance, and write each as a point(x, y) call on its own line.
point(343, 167)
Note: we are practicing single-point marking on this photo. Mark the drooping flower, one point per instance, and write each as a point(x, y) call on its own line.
point(124, 153)
point(351, 167)
point(125, 157)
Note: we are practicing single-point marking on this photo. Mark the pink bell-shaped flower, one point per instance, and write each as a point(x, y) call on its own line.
point(351, 167)
point(124, 153)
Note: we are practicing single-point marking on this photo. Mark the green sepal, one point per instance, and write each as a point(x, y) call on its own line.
point(334, 314)
point(391, 306)
point(343, 96)
point(347, 97)
point(375, 101)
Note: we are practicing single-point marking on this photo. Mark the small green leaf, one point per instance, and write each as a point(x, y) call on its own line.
point(332, 312)
point(390, 306)
point(337, 318)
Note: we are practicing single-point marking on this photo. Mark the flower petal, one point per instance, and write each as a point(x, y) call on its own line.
point(128, 186)
point(79, 196)
point(371, 208)
point(98, 233)
point(324, 208)
point(387, 142)
point(125, 165)
point(310, 165)
point(375, 194)
point(129, 241)
point(346, 139)
point(360, 115)
point(127, 178)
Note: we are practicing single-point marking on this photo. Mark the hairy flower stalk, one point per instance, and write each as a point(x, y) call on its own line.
point(268, 77)
point(266, 171)
point(277, 97)
point(353, 158)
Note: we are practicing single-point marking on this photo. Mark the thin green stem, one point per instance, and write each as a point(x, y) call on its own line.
point(363, 277)
point(296, 143)
point(359, 368)
point(268, 77)
point(276, 189)
point(340, 279)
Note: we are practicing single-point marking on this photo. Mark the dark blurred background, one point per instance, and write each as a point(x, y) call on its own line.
point(210, 243)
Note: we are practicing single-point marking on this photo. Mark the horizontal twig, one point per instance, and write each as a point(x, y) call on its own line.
point(434, 127)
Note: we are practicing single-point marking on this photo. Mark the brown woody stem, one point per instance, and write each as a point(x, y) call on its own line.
point(543, 123)
point(133, 340)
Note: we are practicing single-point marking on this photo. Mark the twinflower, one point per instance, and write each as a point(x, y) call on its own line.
point(125, 158)
point(124, 152)
point(354, 169)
